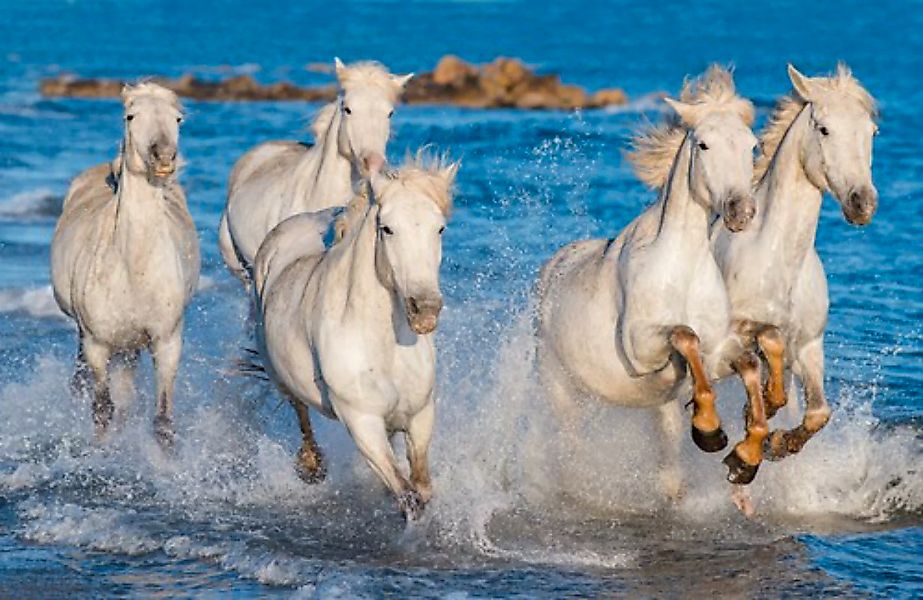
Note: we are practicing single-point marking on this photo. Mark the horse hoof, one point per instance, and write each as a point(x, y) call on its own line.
point(411, 505)
point(739, 472)
point(712, 441)
point(776, 446)
point(165, 434)
point(310, 471)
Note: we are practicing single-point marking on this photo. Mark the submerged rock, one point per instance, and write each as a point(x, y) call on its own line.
point(503, 83)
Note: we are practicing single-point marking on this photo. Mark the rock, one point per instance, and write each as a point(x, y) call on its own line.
point(453, 71)
point(609, 97)
point(505, 82)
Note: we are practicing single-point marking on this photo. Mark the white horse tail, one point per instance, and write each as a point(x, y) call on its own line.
point(228, 252)
point(298, 236)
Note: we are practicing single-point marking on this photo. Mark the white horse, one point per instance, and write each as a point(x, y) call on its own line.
point(348, 331)
point(125, 257)
point(818, 140)
point(278, 179)
point(621, 320)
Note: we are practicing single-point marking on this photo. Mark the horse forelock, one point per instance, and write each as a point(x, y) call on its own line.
point(840, 83)
point(431, 175)
point(654, 149)
point(367, 74)
point(149, 90)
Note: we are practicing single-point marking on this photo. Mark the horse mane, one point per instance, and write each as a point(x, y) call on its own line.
point(369, 73)
point(654, 149)
point(789, 107)
point(321, 122)
point(132, 93)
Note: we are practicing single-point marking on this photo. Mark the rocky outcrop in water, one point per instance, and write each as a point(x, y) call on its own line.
point(503, 83)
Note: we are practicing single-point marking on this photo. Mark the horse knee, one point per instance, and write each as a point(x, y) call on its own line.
point(684, 339)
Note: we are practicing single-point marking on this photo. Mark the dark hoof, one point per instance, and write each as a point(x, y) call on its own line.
point(411, 505)
point(311, 470)
point(777, 446)
point(739, 472)
point(165, 434)
point(713, 441)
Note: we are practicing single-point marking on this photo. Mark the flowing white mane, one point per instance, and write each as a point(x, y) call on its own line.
point(653, 150)
point(787, 109)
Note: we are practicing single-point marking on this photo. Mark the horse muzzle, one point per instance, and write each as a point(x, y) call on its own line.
point(860, 205)
point(162, 161)
point(739, 211)
point(423, 313)
point(372, 163)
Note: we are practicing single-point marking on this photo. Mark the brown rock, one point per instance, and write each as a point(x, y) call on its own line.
point(453, 71)
point(609, 97)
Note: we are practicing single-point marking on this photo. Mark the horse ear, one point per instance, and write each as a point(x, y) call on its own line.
point(338, 67)
point(801, 83)
point(401, 80)
point(688, 113)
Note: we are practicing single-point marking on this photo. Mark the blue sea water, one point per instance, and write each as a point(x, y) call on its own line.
point(514, 513)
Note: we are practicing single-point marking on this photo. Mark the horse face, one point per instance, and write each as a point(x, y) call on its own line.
point(365, 127)
point(838, 156)
point(722, 167)
point(152, 137)
point(409, 254)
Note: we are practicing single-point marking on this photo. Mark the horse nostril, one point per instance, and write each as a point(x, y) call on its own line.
point(412, 305)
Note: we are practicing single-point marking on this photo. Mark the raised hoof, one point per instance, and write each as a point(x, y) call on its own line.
point(777, 446)
point(311, 469)
point(712, 441)
point(411, 505)
point(739, 472)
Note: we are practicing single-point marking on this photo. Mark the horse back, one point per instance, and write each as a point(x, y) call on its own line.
point(264, 159)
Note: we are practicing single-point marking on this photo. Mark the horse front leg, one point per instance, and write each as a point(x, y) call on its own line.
point(97, 357)
point(310, 462)
point(419, 434)
point(817, 411)
point(772, 345)
point(744, 460)
point(371, 437)
point(166, 353)
point(706, 424)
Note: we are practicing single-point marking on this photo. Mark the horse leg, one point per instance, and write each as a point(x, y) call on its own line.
point(97, 359)
point(817, 411)
point(772, 345)
point(744, 460)
point(310, 462)
point(166, 352)
point(706, 425)
point(419, 434)
point(371, 437)
point(669, 422)
point(122, 378)
point(82, 380)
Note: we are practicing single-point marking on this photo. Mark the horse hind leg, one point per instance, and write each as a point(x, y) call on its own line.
point(309, 464)
point(669, 423)
point(122, 381)
point(744, 460)
point(706, 424)
point(772, 345)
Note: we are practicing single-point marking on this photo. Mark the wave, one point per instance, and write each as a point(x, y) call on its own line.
point(35, 302)
point(34, 204)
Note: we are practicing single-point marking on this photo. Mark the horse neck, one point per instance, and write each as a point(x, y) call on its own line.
point(138, 210)
point(790, 203)
point(682, 218)
point(325, 175)
point(366, 295)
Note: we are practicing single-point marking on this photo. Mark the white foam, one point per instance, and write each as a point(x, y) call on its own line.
point(36, 302)
point(41, 202)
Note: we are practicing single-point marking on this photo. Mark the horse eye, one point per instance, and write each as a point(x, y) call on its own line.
point(390, 114)
point(823, 130)
point(703, 146)
point(441, 230)
point(877, 131)
point(347, 111)
point(386, 230)
point(129, 117)
point(179, 120)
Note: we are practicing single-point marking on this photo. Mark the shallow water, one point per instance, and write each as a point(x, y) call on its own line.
point(514, 513)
